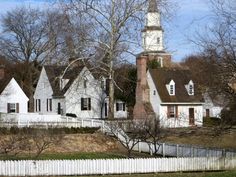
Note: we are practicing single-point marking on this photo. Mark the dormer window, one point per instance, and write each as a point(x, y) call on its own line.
point(171, 88)
point(190, 88)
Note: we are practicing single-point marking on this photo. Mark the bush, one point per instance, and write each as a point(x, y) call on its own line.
point(4, 131)
point(14, 130)
point(71, 115)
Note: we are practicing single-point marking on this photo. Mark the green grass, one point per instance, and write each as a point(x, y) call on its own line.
point(65, 156)
point(193, 174)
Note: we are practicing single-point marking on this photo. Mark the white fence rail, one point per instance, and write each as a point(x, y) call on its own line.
point(114, 166)
point(45, 121)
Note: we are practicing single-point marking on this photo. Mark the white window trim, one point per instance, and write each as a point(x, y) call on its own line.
point(160, 60)
point(171, 84)
point(188, 87)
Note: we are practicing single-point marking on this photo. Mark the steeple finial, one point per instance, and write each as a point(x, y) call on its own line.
point(152, 6)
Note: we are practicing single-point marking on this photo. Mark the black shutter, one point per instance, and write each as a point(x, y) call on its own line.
point(8, 107)
point(17, 108)
point(106, 111)
point(39, 105)
point(47, 104)
point(50, 104)
point(123, 106)
point(89, 104)
point(82, 103)
point(36, 105)
point(117, 107)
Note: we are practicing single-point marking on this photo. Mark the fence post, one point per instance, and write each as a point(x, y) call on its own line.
point(92, 123)
point(177, 150)
point(223, 153)
point(192, 152)
point(103, 126)
point(163, 149)
point(82, 123)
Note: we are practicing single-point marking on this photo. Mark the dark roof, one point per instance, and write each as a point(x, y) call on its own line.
point(163, 76)
point(3, 83)
point(54, 72)
point(152, 7)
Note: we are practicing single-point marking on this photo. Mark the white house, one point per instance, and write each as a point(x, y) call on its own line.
point(12, 97)
point(213, 105)
point(175, 98)
point(167, 93)
point(76, 91)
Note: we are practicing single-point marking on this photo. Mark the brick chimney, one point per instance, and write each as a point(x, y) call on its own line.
point(142, 89)
point(2, 71)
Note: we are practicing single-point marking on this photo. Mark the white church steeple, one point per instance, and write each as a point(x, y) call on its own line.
point(153, 33)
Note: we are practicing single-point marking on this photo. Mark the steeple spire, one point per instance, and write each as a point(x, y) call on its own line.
point(153, 32)
point(152, 7)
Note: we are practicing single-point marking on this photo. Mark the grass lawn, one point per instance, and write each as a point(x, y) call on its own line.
point(205, 136)
point(194, 174)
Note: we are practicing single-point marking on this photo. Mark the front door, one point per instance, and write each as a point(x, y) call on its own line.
point(191, 116)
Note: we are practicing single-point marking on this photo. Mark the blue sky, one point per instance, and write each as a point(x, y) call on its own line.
point(190, 17)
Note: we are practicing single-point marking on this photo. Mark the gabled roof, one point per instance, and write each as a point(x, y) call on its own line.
point(162, 76)
point(54, 72)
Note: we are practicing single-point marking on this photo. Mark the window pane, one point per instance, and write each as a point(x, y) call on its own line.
point(12, 107)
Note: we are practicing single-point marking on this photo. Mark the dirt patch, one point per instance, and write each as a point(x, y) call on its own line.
point(86, 143)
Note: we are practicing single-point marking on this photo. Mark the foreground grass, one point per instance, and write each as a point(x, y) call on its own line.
point(66, 156)
point(194, 174)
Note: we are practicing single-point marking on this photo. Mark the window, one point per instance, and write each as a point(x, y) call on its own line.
point(172, 111)
point(103, 84)
point(49, 105)
point(13, 107)
point(154, 92)
point(38, 105)
point(190, 87)
point(171, 88)
point(120, 106)
point(85, 83)
point(85, 104)
point(160, 61)
point(158, 40)
point(207, 113)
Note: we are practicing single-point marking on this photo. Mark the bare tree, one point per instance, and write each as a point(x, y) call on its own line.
point(128, 140)
point(219, 48)
point(115, 32)
point(14, 144)
point(154, 133)
point(25, 40)
point(42, 140)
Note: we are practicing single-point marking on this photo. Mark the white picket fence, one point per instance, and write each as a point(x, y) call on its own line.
point(166, 149)
point(113, 166)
